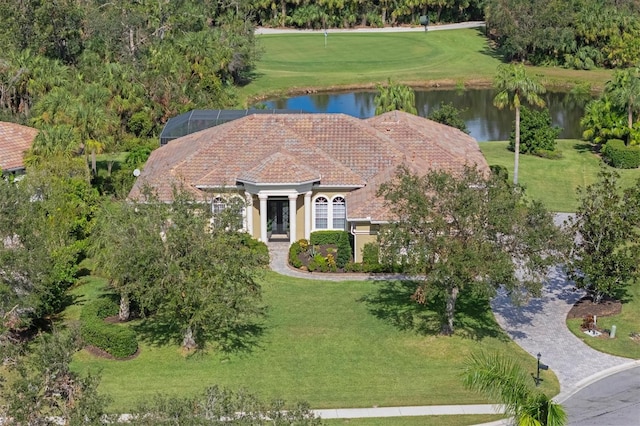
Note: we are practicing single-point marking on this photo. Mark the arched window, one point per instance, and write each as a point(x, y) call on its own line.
point(230, 212)
point(218, 205)
point(322, 213)
point(339, 213)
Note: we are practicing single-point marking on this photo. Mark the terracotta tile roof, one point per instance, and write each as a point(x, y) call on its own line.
point(15, 139)
point(334, 149)
point(280, 168)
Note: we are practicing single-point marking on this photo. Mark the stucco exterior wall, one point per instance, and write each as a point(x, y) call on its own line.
point(364, 233)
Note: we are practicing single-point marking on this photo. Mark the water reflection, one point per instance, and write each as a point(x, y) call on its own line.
point(484, 121)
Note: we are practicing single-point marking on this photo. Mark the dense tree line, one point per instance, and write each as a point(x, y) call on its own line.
point(100, 76)
point(581, 34)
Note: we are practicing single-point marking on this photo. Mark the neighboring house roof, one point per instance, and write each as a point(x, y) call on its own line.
point(15, 139)
point(331, 150)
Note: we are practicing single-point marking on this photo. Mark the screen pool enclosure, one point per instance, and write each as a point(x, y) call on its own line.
point(200, 119)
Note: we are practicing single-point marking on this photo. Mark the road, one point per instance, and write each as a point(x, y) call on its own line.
point(612, 401)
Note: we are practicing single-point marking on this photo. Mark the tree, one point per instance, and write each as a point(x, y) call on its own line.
point(467, 231)
point(624, 91)
point(219, 406)
point(606, 250)
point(505, 380)
point(395, 96)
point(44, 390)
point(209, 288)
point(126, 244)
point(449, 115)
point(46, 218)
point(513, 87)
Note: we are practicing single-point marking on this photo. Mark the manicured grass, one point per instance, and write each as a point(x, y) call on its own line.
point(416, 421)
point(555, 182)
point(626, 322)
point(298, 62)
point(323, 344)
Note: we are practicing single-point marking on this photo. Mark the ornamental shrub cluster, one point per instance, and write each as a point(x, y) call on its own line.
point(117, 341)
point(536, 132)
point(340, 239)
point(620, 155)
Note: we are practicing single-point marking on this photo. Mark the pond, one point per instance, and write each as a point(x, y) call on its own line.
point(484, 121)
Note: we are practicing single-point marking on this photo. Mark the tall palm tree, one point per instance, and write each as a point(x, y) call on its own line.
point(395, 96)
point(514, 86)
point(624, 91)
point(504, 380)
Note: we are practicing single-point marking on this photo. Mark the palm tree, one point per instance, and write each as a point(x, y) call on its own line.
point(624, 91)
point(513, 86)
point(504, 380)
point(395, 96)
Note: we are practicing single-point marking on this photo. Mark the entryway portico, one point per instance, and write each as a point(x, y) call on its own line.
point(281, 208)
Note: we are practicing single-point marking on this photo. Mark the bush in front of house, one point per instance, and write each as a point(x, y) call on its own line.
point(294, 252)
point(339, 239)
point(120, 342)
point(370, 258)
point(621, 156)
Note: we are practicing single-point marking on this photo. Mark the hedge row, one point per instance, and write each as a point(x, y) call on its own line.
point(621, 156)
point(338, 238)
point(117, 341)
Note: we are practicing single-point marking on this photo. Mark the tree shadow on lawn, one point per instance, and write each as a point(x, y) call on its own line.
point(393, 303)
point(586, 147)
point(161, 330)
point(488, 50)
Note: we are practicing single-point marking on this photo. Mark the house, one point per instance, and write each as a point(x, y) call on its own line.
point(15, 139)
point(300, 173)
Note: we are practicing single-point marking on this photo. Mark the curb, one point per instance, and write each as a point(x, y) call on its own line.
point(566, 394)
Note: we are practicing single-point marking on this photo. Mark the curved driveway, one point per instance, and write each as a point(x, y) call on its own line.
point(538, 327)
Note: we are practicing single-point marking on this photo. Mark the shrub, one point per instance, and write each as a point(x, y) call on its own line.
point(449, 115)
point(353, 267)
point(500, 171)
point(621, 156)
point(318, 263)
point(370, 253)
point(117, 341)
point(340, 239)
point(294, 251)
point(258, 247)
point(331, 263)
point(536, 132)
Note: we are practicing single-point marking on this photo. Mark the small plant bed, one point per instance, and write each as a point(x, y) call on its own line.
point(623, 314)
point(326, 251)
point(585, 306)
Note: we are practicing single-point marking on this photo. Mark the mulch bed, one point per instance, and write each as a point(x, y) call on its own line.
point(585, 306)
point(95, 351)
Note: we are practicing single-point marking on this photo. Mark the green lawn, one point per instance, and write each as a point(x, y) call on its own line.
point(555, 182)
point(416, 421)
point(293, 63)
point(324, 345)
point(626, 322)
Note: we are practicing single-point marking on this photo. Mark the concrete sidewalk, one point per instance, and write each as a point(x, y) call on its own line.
point(441, 27)
point(429, 410)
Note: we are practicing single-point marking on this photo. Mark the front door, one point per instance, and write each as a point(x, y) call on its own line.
point(278, 216)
